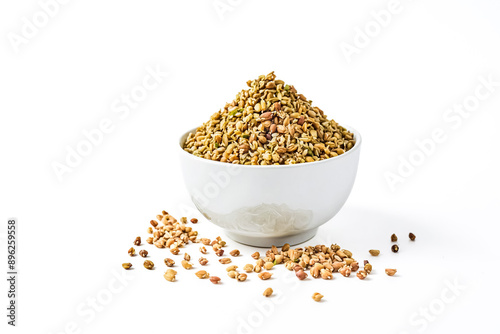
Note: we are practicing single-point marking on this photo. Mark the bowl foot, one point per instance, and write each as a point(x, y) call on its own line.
point(270, 241)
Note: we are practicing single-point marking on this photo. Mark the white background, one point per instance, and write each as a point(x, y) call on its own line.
point(75, 232)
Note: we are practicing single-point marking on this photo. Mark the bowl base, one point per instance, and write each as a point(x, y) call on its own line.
point(270, 241)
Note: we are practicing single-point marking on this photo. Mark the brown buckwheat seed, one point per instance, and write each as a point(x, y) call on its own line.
point(347, 253)
point(394, 238)
point(231, 268)
point(326, 274)
point(248, 268)
point(131, 251)
point(220, 241)
point(301, 274)
point(374, 252)
point(395, 248)
point(412, 236)
point(345, 271)
point(317, 296)
point(354, 266)
point(225, 260)
point(169, 262)
point(234, 252)
point(203, 261)
point(186, 264)
point(202, 274)
point(268, 265)
point(127, 265)
point(314, 271)
point(219, 252)
point(256, 255)
point(148, 264)
point(137, 241)
point(214, 279)
point(390, 272)
point(170, 275)
point(265, 275)
point(337, 265)
point(361, 274)
point(268, 292)
point(194, 220)
point(341, 254)
point(143, 253)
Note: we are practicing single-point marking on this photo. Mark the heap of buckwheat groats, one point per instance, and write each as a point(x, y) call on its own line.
point(320, 261)
point(269, 123)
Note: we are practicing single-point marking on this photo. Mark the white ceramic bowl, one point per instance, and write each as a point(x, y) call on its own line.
point(270, 205)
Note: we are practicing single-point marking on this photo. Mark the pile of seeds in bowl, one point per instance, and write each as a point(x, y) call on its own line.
point(269, 123)
point(318, 261)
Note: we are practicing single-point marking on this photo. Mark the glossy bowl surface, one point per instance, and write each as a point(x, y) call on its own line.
point(270, 205)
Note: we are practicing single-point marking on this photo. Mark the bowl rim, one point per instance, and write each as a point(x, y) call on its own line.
point(356, 147)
